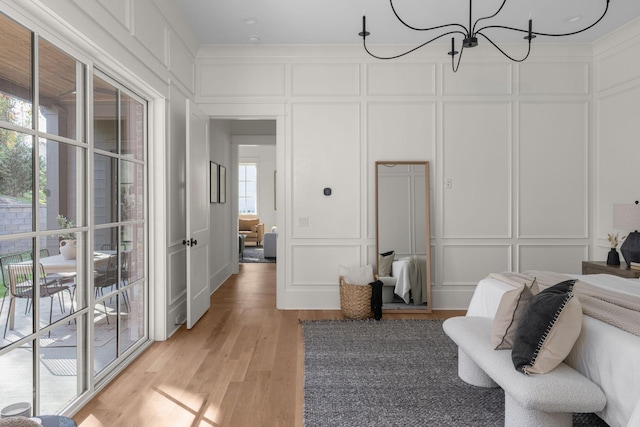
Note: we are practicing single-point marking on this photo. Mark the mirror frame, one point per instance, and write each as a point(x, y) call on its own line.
point(378, 164)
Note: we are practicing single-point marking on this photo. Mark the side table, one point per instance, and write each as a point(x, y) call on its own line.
point(601, 267)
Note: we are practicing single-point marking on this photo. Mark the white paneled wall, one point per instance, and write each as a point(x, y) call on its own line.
point(509, 147)
point(617, 95)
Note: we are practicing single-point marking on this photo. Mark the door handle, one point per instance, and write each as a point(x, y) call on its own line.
point(190, 242)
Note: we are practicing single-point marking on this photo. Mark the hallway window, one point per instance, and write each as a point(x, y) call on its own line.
point(248, 188)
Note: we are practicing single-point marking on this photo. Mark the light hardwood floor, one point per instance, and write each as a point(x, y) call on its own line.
point(241, 365)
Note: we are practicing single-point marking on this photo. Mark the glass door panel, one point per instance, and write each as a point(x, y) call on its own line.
point(132, 130)
point(105, 172)
point(131, 190)
point(58, 91)
point(105, 111)
point(16, 182)
point(17, 378)
point(62, 177)
point(58, 382)
point(131, 317)
point(16, 83)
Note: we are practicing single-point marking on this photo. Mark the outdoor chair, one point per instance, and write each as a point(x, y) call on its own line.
point(21, 285)
point(5, 260)
point(106, 278)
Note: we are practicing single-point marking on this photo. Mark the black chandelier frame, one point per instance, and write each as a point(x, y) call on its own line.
point(471, 34)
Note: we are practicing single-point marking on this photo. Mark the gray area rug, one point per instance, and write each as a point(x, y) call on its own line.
point(393, 373)
point(254, 254)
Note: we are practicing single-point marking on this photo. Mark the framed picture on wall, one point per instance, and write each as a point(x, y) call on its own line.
point(213, 183)
point(222, 182)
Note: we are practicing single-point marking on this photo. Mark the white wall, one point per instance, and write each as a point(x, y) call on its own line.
point(514, 139)
point(221, 214)
point(616, 174)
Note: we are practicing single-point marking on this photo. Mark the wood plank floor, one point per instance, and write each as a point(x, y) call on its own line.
point(241, 365)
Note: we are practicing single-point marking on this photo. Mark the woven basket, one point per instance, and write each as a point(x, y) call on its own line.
point(355, 300)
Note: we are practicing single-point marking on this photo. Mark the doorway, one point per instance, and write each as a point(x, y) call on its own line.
point(249, 151)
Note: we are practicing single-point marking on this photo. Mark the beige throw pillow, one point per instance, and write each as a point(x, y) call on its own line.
point(511, 307)
point(385, 261)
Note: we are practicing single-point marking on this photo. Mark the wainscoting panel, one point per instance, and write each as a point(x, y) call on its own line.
point(326, 155)
point(560, 258)
point(118, 9)
point(615, 69)
point(181, 61)
point(241, 79)
point(401, 79)
point(468, 264)
point(150, 28)
point(177, 275)
point(553, 137)
point(477, 165)
point(401, 131)
point(478, 79)
point(177, 198)
point(318, 266)
point(553, 78)
point(325, 79)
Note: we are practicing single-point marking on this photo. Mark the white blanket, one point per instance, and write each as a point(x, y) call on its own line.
point(609, 356)
point(411, 281)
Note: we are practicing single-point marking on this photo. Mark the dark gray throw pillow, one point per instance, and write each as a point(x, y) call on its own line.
point(547, 330)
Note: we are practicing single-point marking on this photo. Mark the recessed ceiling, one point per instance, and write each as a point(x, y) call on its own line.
point(244, 22)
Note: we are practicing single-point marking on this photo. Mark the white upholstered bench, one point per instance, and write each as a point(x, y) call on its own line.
point(530, 400)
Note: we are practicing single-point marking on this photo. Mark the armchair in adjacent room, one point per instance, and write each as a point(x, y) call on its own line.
point(251, 227)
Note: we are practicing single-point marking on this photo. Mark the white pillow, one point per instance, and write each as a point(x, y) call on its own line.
point(356, 275)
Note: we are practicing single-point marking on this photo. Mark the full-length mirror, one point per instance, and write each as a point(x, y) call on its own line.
point(402, 235)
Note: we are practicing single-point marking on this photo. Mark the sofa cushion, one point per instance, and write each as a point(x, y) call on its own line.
point(548, 329)
point(247, 224)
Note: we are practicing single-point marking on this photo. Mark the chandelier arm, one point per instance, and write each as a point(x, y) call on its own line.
point(549, 34)
point(364, 43)
point(455, 69)
point(505, 53)
point(423, 29)
point(488, 17)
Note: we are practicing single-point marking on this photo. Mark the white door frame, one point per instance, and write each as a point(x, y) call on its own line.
point(277, 112)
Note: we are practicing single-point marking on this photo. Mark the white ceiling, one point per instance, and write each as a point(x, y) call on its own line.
point(340, 21)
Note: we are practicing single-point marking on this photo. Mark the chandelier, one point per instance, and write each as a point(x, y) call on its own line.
point(470, 34)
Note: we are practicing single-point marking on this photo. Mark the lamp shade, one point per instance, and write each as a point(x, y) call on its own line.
point(626, 217)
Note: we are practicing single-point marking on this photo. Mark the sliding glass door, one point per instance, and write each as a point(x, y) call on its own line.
point(73, 223)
